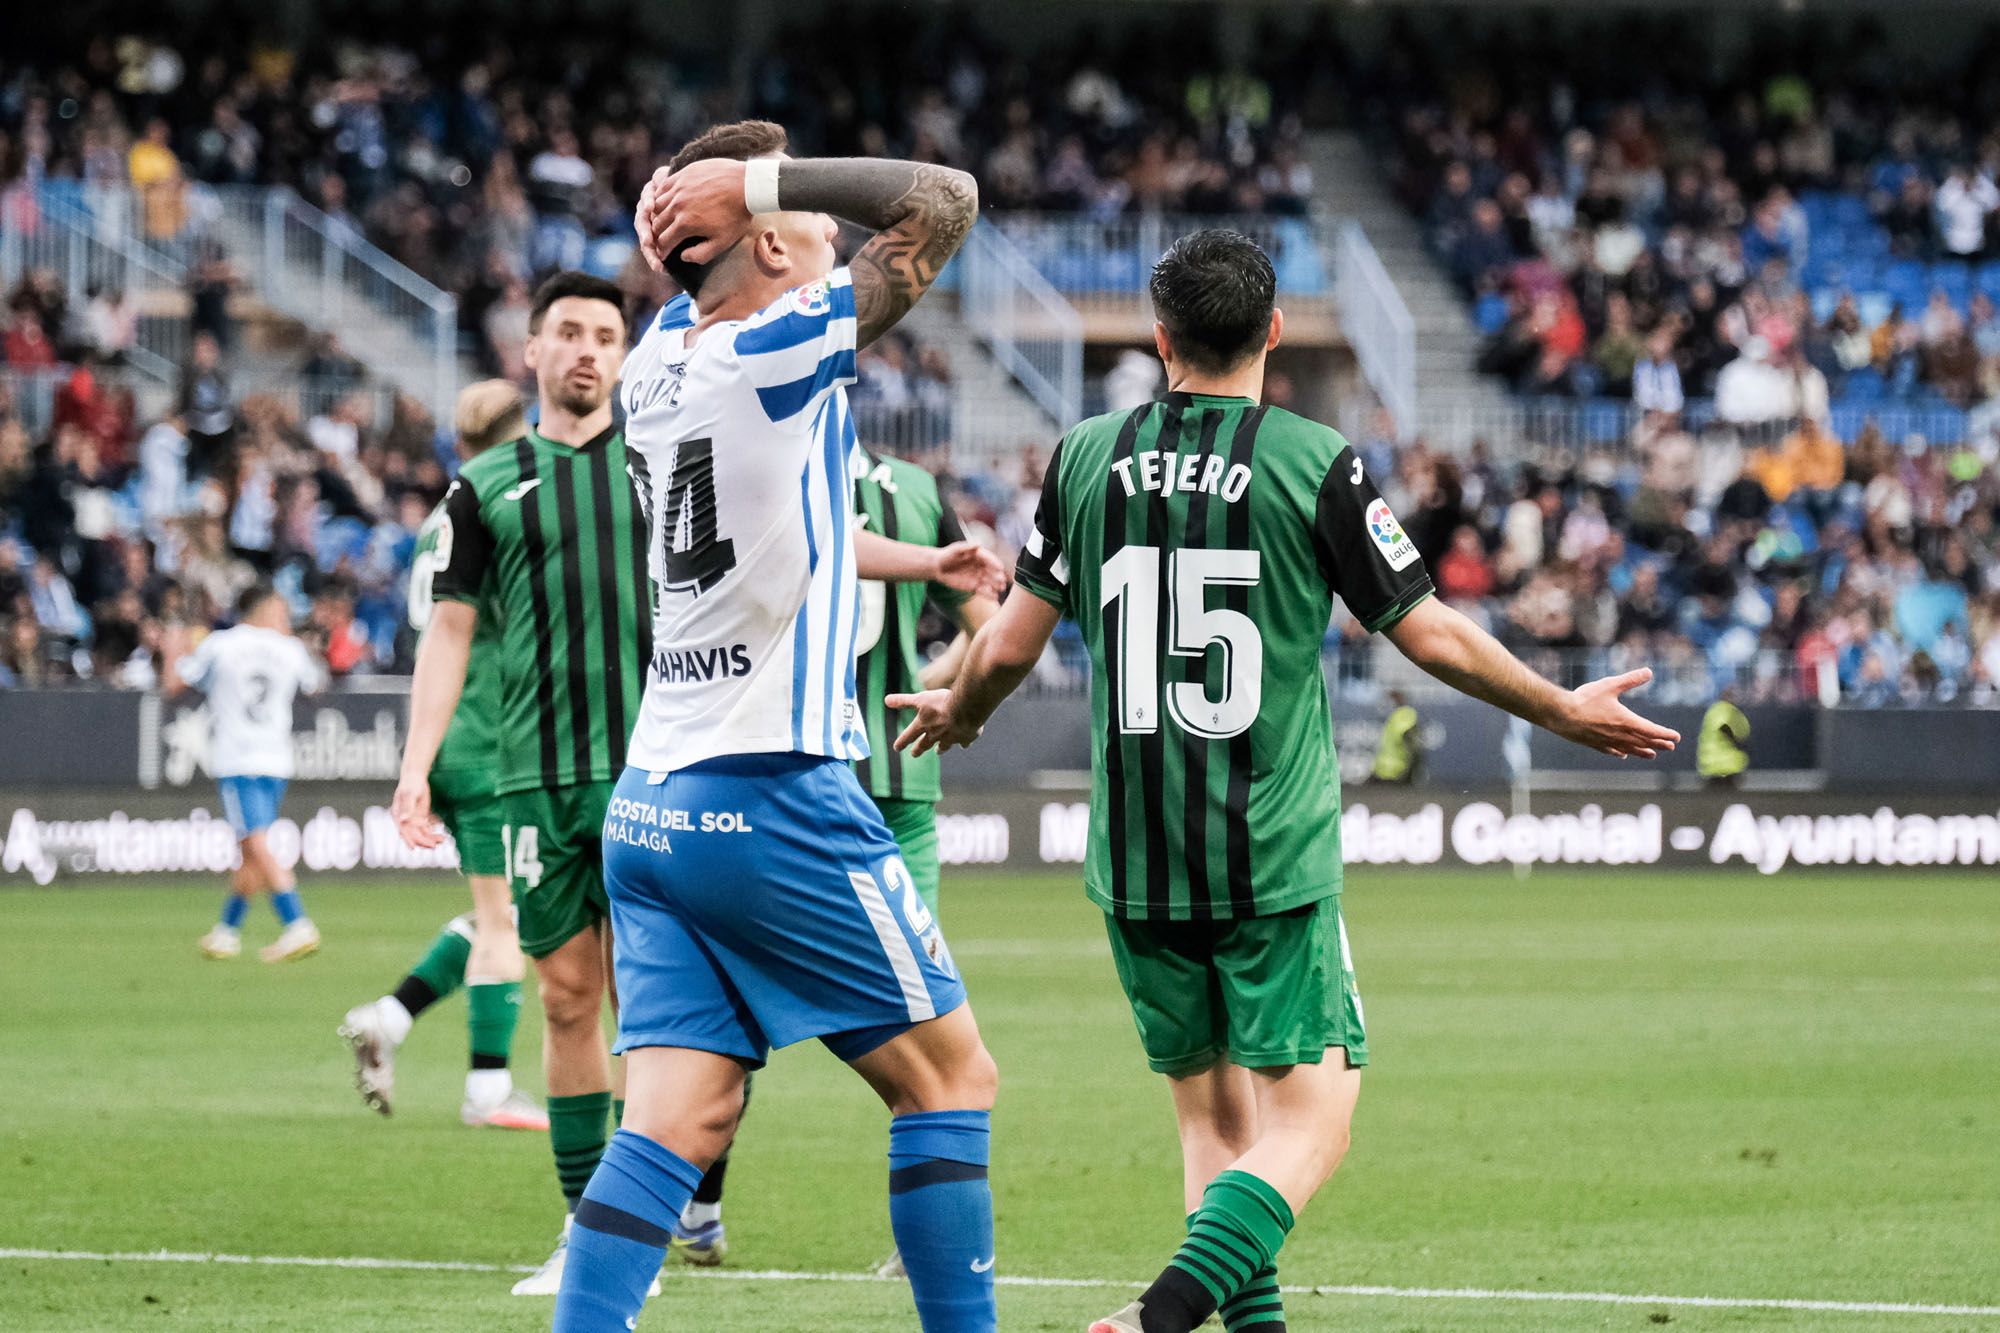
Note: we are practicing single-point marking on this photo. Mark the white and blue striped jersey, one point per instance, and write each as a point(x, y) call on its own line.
point(744, 454)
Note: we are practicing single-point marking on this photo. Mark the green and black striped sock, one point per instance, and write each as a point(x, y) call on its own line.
point(1258, 1306)
point(577, 1135)
point(1235, 1236)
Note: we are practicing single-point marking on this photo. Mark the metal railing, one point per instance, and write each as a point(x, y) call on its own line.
point(324, 273)
point(1376, 322)
point(1109, 261)
point(92, 238)
point(1032, 331)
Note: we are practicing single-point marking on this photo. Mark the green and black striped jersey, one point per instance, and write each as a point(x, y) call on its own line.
point(551, 539)
point(1198, 543)
point(899, 501)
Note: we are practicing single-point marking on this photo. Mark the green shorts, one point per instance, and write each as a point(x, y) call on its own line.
point(464, 800)
point(555, 862)
point(914, 826)
point(1265, 991)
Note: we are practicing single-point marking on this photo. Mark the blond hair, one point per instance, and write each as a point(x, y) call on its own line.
point(488, 413)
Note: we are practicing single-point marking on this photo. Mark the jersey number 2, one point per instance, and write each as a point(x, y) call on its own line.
point(691, 555)
point(1132, 579)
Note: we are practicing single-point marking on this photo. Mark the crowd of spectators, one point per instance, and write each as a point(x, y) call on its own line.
point(481, 159)
point(1664, 233)
point(115, 549)
point(1798, 571)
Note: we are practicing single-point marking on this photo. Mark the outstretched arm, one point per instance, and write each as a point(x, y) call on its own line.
point(1462, 655)
point(1001, 656)
point(966, 566)
point(920, 213)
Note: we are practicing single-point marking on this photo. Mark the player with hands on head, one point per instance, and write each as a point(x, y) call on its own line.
point(1199, 544)
point(758, 897)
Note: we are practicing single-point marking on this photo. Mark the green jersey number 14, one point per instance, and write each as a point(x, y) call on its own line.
point(1132, 580)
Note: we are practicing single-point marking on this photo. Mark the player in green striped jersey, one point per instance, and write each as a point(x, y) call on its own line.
point(1199, 544)
point(545, 537)
point(900, 501)
point(479, 949)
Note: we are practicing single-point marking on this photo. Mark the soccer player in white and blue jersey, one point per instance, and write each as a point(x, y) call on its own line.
point(757, 898)
point(250, 673)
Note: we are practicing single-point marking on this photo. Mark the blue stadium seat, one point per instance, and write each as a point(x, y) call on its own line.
point(1862, 386)
point(1954, 279)
point(1873, 306)
point(1851, 210)
point(1987, 279)
point(1824, 299)
point(1490, 313)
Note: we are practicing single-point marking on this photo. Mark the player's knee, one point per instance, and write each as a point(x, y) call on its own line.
point(976, 1082)
point(569, 1007)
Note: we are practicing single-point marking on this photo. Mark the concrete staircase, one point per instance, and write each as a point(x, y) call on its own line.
point(994, 418)
point(1451, 394)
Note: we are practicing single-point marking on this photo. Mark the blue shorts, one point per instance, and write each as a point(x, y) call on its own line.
point(251, 804)
point(758, 900)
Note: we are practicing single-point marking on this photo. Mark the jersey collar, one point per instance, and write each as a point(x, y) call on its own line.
point(602, 437)
point(1182, 398)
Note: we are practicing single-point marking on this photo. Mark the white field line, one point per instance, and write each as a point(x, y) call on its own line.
point(1011, 1280)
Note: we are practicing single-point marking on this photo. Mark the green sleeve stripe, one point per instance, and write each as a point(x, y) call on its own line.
point(1407, 603)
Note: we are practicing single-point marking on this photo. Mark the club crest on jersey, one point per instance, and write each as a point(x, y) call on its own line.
point(1397, 548)
point(812, 299)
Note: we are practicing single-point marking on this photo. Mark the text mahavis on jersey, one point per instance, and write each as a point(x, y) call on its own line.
point(1166, 473)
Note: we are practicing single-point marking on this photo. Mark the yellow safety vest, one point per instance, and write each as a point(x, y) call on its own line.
point(1719, 753)
point(1394, 755)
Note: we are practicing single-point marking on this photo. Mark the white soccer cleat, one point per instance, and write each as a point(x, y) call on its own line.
point(298, 940)
point(547, 1280)
point(374, 1054)
point(517, 1110)
point(892, 1267)
point(1125, 1321)
point(221, 942)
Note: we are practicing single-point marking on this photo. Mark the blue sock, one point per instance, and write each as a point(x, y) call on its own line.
point(941, 1211)
point(619, 1235)
point(285, 902)
point(234, 908)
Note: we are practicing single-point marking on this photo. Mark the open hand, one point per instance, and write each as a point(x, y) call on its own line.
point(970, 568)
point(937, 726)
point(701, 203)
point(412, 809)
point(1598, 717)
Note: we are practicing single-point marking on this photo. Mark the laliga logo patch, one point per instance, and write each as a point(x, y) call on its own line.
point(1396, 546)
point(812, 299)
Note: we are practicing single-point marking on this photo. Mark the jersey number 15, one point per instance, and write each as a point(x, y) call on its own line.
point(1132, 579)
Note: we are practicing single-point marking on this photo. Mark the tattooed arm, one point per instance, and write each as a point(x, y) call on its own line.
point(920, 214)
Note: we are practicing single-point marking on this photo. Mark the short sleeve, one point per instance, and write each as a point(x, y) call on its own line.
point(1364, 554)
point(464, 547)
point(800, 348)
point(949, 531)
point(1043, 569)
point(194, 666)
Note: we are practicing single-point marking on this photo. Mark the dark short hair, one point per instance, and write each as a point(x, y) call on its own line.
point(253, 597)
point(738, 141)
point(1214, 290)
point(568, 282)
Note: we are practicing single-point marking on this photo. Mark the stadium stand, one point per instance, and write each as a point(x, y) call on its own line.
point(1672, 261)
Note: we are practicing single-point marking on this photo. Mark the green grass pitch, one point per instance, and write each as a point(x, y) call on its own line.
point(1614, 1082)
